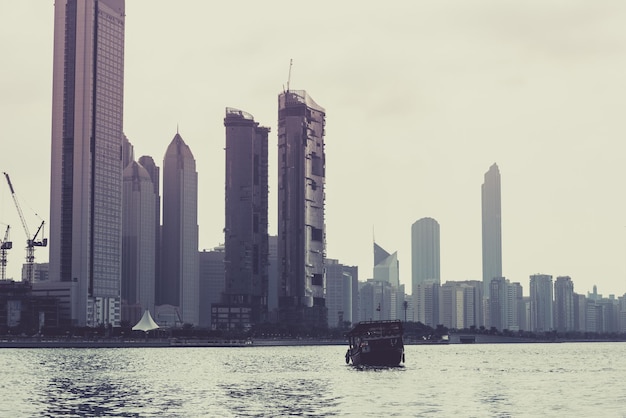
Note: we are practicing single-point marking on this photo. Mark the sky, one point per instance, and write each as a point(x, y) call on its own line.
point(421, 98)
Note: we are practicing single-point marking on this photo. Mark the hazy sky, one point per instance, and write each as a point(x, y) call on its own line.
point(421, 97)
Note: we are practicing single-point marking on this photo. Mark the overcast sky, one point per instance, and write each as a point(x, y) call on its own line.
point(421, 97)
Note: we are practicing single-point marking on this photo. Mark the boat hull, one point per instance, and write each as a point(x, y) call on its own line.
point(376, 343)
point(381, 357)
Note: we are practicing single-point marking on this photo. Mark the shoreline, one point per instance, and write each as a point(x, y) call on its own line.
point(194, 343)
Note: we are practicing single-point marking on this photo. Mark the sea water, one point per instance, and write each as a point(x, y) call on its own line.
point(474, 380)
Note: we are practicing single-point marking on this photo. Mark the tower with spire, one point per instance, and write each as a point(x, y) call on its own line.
point(179, 281)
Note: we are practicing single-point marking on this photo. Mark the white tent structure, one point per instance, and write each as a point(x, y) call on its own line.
point(146, 323)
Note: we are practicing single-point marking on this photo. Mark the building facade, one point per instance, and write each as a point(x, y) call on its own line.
point(212, 278)
point(179, 241)
point(428, 302)
point(460, 304)
point(339, 297)
point(301, 226)
point(499, 303)
point(386, 266)
point(154, 172)
point(541, 305)
point(425, 259)
point(138, 243)
point(246, 221)
point(86, 164)
point(564, 304)
point(491, 227)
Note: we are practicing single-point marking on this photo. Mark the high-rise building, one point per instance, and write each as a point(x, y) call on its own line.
point(499, 303)
point(272, 281)
point(138, 242)
point(179, 241)
point(376, 300)
point(515, 315)
point(428, 302)
point(564, 304)
point(301, 227)
point(339, 298)
point(245, 228)
point(386, 266)
point(353, 271)
point(580, 309)
point(128, 152)
point(153, 170)
point(460, 304)
point(211, 272)
point(425, 246)
point(86, 164)
point(492, 227)
point(425, 262)
point(541, 306)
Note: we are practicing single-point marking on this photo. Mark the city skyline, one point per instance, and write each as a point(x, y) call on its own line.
point(534, 87)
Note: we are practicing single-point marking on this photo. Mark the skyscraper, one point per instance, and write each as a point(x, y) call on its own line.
point(564, 304)
point(154, 172)
point(211, 272)
point(499, 303)
point(245, 230)
point(86, 165)
point(301, 228)
point(492, 227)
point(339, 297)
point(386, 266)
point(179, 272)
point(138, 243)
point(541, 304)
point(425, 260)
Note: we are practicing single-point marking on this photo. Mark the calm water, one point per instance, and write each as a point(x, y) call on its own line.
point(587, 379)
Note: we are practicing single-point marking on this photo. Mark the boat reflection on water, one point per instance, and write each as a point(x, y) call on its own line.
point(376, 343)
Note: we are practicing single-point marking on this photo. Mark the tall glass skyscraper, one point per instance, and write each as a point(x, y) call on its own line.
point(425, 259)
point(301, 229)
point(86, 165)
point(492, 228)
point(245, 231)
point(179, 284)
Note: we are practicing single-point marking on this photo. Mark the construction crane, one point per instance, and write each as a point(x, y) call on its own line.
point(5, 245)
point(31, 243)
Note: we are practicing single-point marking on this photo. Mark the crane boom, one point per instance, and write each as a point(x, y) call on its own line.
point(31, 242)
point(17, 204)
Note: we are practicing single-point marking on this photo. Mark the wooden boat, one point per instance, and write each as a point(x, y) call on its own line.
point(376, 343)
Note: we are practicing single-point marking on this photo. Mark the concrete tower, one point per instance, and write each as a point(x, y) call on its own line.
point(179, 280)
point(301, 228)
point(86, 164)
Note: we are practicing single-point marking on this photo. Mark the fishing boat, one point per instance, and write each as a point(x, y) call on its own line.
point(376, 343)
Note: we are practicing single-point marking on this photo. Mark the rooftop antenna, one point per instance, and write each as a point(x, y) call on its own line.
point(289, 77)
